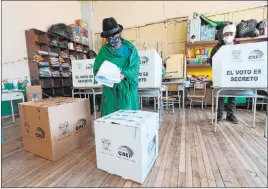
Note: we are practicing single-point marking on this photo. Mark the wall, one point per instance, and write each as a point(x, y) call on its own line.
point(137, 13)
point(18, 16)
point(169, 36)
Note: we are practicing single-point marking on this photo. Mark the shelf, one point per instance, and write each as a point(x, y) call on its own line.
point(203, 43)
point(40, 43)
point(248, 39)
point(198, 65)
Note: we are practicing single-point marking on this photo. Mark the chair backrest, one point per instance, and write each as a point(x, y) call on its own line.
point(200, 86)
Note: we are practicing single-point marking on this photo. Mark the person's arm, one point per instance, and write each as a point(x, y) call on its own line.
point(97, 64)
point(132, 71)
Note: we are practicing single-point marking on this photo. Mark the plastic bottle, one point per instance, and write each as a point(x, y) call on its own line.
point(15, 84)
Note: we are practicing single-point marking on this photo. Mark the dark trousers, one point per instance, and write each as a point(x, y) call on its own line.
point(230, 106)
point(98, 102)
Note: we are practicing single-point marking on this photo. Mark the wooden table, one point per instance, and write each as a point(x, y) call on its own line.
point(10, 96)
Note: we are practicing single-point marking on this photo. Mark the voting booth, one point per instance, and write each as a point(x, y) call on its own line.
point(82, 73)
point(150, 75)
point(127, 143)
point(242, 65)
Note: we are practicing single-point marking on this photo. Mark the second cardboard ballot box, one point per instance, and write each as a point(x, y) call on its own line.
point(52, 128)
point(150, 74)
point(241, 66)
point(127, 143)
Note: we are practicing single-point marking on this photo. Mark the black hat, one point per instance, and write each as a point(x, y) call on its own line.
point(110, 27)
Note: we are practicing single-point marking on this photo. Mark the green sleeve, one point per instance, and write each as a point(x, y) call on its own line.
point(132, 71)
point(97, 63)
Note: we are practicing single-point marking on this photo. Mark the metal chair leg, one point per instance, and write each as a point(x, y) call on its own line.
point(202, 103)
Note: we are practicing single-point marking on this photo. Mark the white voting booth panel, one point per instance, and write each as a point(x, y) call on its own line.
point(127, 143)
point(150, 75)
point(82, 73)
point(242, 65)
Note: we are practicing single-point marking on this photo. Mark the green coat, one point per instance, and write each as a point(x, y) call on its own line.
point(123, 95)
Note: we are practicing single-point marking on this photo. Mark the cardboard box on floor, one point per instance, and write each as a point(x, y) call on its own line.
point(34, 93)
point(52, 128)
point(127, 143)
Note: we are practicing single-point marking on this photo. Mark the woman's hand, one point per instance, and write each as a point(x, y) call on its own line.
point(122, 77)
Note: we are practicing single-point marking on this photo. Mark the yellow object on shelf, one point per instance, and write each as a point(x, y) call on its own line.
point(200, 71)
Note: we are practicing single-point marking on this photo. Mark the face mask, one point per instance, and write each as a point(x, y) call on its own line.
point(114, 41)
point(228, 40)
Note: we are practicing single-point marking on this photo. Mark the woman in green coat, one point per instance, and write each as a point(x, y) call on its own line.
point(122, 53)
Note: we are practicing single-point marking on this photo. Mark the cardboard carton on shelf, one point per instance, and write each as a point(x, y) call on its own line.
point(241, 65)
point(34, 93)
point(175, 66)
point(52, 128)
point(150, 75)
point(127, 143)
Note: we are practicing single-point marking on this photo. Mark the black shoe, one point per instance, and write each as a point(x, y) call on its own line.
point(231, 118)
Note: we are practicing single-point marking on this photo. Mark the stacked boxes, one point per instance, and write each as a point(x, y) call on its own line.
point(208, 33)
point(127, 143)
point(80, 31)
point(52, 128)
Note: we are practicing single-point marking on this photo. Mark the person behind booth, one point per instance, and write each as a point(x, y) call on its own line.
point(123, 54)
point(91, 55)
point(228, 36)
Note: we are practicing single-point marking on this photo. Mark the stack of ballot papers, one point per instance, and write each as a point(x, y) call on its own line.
point(108, 74)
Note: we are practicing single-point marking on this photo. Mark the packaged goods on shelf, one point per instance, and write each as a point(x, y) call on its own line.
point(39, 52)
point(54, 43)
point(44, 72)
point(65, 65)
point(63, 54)
point(43, 64)
point(71, 45)
point(66, 74)
point(53, 54)
point(207, 33)
point(82, 23)
point(85, 41)
point(55, 74)
point(72, 57)
point(193, 29)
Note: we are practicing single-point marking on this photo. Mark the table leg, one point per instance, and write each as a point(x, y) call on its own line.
point(254, 112)
point(73, 93)
point(266, 122)
point(12, 111)
point(94, 103)
point(212, 107)
point(183, 96)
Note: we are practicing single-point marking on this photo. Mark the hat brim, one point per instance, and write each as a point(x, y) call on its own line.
point(112, 34)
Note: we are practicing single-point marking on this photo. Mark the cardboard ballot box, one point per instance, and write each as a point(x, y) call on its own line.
point(242, 65)
point(52, 128)
point(150, 75)
point(127, 143)
point(82, 72)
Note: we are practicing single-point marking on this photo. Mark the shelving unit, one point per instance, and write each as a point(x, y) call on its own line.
point(40, 40)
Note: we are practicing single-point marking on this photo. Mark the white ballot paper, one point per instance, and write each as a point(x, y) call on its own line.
point(108, 74)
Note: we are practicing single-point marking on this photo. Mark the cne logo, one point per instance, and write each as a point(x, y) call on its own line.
point(256, 55)
point(81, 124)
point(89, 66)
point(40, 133)
point(236, 54)
point(125, 152)
point(144, 60)
point(27, 127)
point(64, 128)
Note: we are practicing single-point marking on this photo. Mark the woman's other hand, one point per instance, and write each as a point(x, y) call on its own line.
point(122, 77)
